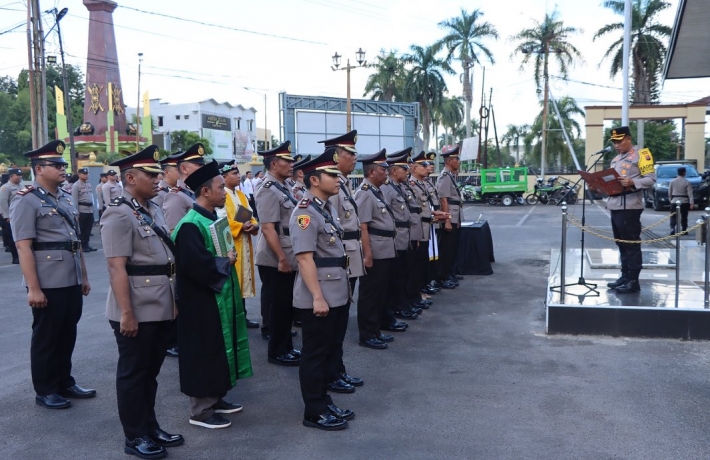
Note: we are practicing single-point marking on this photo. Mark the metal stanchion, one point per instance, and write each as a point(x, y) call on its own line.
point(677, 252)
point(707, 256)
point(563, 254)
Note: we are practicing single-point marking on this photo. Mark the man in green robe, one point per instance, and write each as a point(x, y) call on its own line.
point(212, 333)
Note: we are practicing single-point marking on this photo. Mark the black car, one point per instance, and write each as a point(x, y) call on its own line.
point(657, 197)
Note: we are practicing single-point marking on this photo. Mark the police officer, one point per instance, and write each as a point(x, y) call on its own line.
point(299, 188)
point(111, 189)
point(636, 171)
point(274, 255)
point(103, 178)
point(83, 194)
point(171, 175)
point(179, 201)
point(321, 291)
point(450, 203)
point(433, 275)
point(377, 225)
point(45, 224)
point(141, 300)
point(7, 193)
point(680, 189)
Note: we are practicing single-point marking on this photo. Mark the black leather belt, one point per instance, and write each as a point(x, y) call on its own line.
point(151, 270)
point(399, 224)
point(414, 210)
point(340, 262)
point(354, 235)
point(71, 246)
point(436, 207)
point(85, 203)
point(378, 232)
point(426, 219)
point(284, 230)
point(679, 196)
point(454, 202)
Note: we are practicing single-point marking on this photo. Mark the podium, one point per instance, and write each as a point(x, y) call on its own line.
point(475, 251)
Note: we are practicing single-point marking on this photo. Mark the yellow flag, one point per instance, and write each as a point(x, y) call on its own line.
point(110, 97)
point(59, 95)
point(146, 104)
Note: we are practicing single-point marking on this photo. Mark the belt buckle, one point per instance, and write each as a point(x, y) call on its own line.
point(74, 246)
point(171, 269)
point(347, 262)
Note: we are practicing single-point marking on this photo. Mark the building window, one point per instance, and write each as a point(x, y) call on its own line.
point(251, 125)
point(239, 124)
point(177, 117)
point(160, 121)
point(186, 117)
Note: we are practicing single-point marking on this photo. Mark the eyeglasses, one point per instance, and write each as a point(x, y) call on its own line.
point(56, 165)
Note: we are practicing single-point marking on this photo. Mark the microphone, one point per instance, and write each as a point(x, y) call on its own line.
point(603, 151)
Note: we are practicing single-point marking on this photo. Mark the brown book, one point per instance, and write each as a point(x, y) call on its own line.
point(243, 214)
point(606, 181)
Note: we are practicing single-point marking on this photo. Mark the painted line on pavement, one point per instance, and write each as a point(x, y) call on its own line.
point(527, 214)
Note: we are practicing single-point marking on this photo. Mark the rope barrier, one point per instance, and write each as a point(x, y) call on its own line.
point(601, 230)
point(578, 223)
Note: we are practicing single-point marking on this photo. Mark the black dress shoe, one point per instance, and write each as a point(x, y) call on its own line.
point(165, 439)
point(354, 381)
point(252, 324)
point(172, 352)
point(396, 327)
point(422, 304)
point(385, 338)
point(343, 414)
point(285, 360)
point(374, 344)
point(144, 448)
point(457, 277)
point(90, 249)
point(15, 261)
point(266, 336)
point(294, 333)
point(405, 314)
point(341, 386)
point(617, 283)
point(327, 422)
point(448, 285)
point(416, 310)
point(53, 401)
point(296, 353)
point(453, 281)
point(75, 391)
point(629, 287)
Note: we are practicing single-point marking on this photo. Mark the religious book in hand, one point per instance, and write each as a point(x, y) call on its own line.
point(222, 237)
point(243, 214)
point(606, 181)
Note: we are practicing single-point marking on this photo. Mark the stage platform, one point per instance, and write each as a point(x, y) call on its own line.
point(649, 313)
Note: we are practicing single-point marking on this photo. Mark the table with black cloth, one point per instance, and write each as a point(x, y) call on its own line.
point(475, 251)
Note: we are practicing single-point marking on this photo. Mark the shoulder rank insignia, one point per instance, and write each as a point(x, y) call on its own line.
point(268, 184)
point(116, 201)
point(303, 221)
point(304, 203)
point(25, 190)
point(365, 187)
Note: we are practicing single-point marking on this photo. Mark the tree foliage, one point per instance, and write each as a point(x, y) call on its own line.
point(183, 140)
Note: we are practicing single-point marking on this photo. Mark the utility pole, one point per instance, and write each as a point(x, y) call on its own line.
point(36, 74)
point(138, 106)
point(67, 97)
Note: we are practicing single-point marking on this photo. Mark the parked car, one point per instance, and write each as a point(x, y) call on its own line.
point(657, 197)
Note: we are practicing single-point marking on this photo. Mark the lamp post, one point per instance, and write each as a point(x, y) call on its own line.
point(360, 58)
point(138, 106)
point(67, 98)
point(265, 135)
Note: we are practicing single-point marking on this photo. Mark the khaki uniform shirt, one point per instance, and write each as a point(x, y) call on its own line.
point(298, 190)
point(397, 201)
point(630, 165)
point(111, 190)
point(416, 229)
point(446, 188)
point(311, 233)
point(431, 188)
point(274, 205)
point(7, 193)
point(124, 235)
point(160, 197)
point(343, 204)
point(176, 203)
point(100, 196)
point(34, 218)
point(83, 194)
point(680, 189)
point(373, 212)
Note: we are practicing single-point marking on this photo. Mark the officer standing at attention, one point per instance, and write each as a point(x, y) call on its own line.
point(636, 171)
point(141, 300)
point(680, 190)
point(434, 254)
point(274, 255)
point(103, 177)
point(343, 204)
point(83, 193)
point(450, 203)
point(179, 201)
point(378, 233)
point(169, 180)
point(7, 193)
point(44, 222)
point(111, 189)
point(299, 188)
point(321, 291)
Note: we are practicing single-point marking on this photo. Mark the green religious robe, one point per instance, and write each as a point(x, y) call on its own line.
point(212, 332)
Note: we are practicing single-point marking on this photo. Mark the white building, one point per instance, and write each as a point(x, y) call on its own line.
point(231, 129)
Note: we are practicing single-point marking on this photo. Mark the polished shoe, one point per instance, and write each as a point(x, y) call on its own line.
point(296, 353)
point(344, 414)
point(144, 448)
point(629, 287)
point(448, 285)
point(297, 323)
point(615, 284)
point(394, 328)
point(172, 352)
point(354, 381)
point(429, 290)
point(374, 344)
point(15, 261)
point(7, 249)
point(453, 281)
point(327, 422)
point(294, 333)
point(252, 324)
point(224, 407)
point(53, 401)
point(341, 386)
point(405, 314)
point(266, 336)
point(285, 360)
point(416, 310)
point(427, 302)
point(457, 277)
point(164, 439)
point(75, 391)
point(422, 304)
point(90, 249)
point(386, 338)
point(213, 422)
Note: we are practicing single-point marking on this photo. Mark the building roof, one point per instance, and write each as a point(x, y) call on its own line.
point(238, 106)
point(688, 51)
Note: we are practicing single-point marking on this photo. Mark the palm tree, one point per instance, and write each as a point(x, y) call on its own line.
point(463, 40)
point(387, 83)
point(513, 136)
point(425, 83)
point(557, 148)
point(451, 116)
point(648, 49)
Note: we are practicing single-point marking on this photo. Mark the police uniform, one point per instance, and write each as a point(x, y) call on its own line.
point(7, 193)
point(138, 233)
point(314, 229)
point(627, 207)
point(274, 204)
point(298, 188)
point(111, 189)
point(373, 291)
point(179, 200)
point(100, 195)
point(50, 220)
point(680, 189)
point(164, 187)
point(448, 240)
point(425, 253)
point(83, 194)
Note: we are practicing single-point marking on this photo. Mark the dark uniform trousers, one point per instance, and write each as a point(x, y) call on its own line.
point(53, 339)
point(341, 328)
point(397, 289)
point(318, 356)
point(448, 242)
point(626, 225)
point(373, 297)
point(7, 238)
point(86, 223)
point(684, 208)
point(279, 285)
point(416, 261)
point(139, 362)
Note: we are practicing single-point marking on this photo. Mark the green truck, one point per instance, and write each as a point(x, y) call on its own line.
point(504, 185)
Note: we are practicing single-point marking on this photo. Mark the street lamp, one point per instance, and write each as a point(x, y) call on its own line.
point(67, 98)
point(138, 106)
point(360, 58)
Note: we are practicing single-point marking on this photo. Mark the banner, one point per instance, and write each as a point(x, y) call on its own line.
point(469, 149)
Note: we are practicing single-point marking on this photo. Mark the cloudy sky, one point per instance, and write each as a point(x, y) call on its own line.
point(286, 45)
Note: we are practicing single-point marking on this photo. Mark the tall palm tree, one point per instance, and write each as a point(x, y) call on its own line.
point(557, 148)
point(648, 49)
point(452, 114)
point(425, 82)
point(387, 83)
point(513, 137)
point(464, 42)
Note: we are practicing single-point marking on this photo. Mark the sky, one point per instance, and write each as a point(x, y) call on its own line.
point(286, 45)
